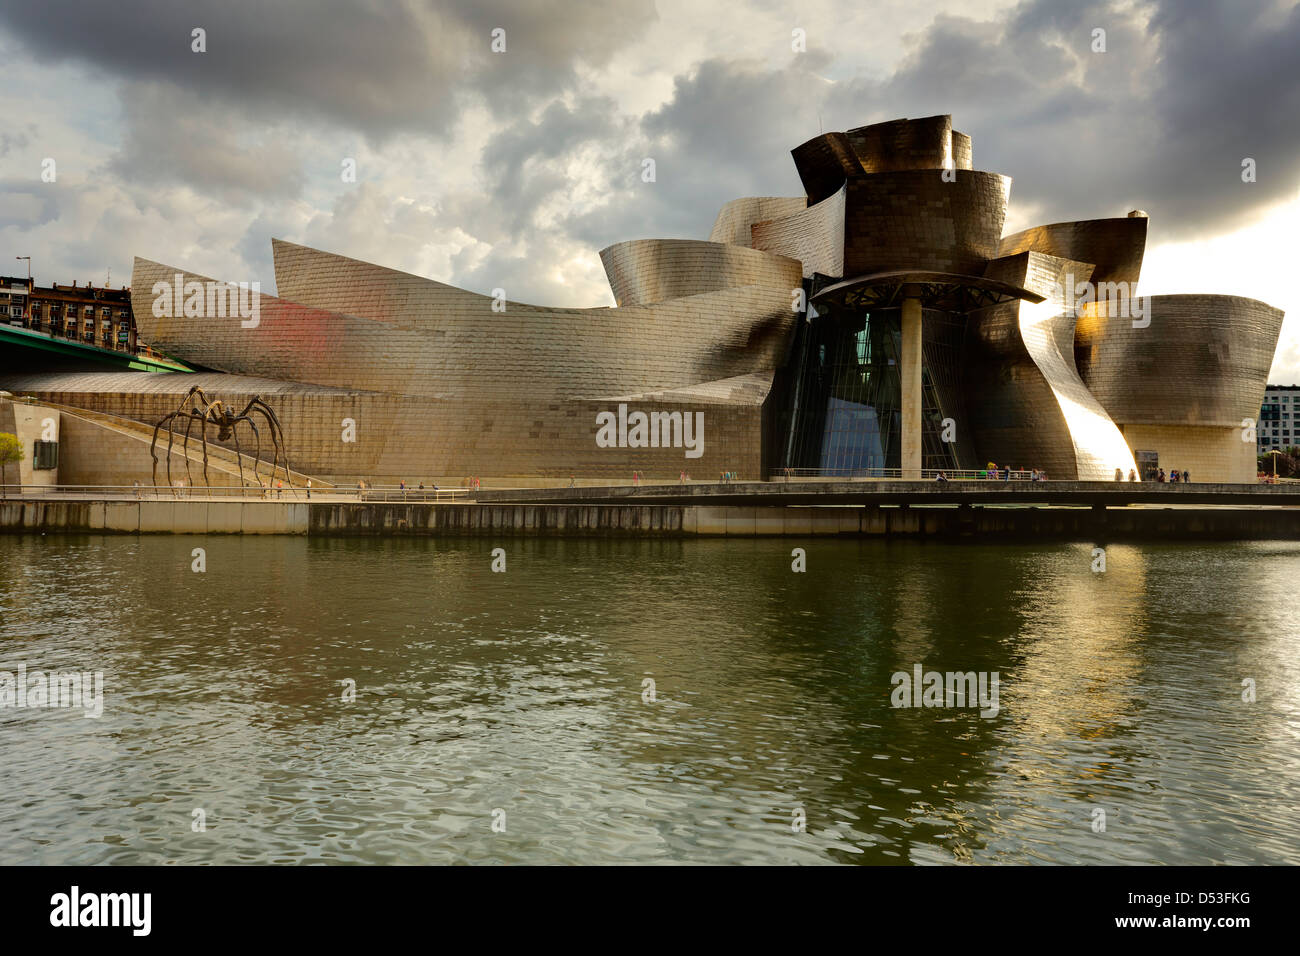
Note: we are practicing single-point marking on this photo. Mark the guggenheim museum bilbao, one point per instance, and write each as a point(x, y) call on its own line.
point(878, 324)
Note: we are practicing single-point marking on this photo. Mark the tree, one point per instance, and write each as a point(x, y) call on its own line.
point(11, 450)
point(1287, 462)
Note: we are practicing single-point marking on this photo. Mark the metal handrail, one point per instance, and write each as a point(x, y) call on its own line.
point(232, 493)
point(927, 474)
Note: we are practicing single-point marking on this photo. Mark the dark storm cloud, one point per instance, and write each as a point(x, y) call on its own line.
point(166, 141)
point(377, 66)
point(726, 132)
point(1162, 120)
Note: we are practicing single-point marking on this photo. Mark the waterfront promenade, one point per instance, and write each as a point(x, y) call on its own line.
point(1064, 509)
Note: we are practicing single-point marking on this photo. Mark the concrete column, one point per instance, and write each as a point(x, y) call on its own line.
point(909, 375)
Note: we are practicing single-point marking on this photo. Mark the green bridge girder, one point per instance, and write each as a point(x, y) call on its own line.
point(13, 336)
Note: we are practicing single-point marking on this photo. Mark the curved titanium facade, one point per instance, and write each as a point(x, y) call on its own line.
point(814, 236)
point(827, 161)
point(447, 385)
point(647, 271)
point(1223, 343)
point(737, 217)
point(1113, 246)
point(923, 313)
point(824, 164)
point(1141, 373)
point(906, 144)
point(915, 220)
point(1027, 399)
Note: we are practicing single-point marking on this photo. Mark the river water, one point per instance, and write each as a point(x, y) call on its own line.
point(509, 717)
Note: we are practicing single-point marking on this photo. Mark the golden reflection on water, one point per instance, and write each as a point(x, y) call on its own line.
point(525, 690)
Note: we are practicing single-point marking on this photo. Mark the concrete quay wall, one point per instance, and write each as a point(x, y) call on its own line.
point(37, 515)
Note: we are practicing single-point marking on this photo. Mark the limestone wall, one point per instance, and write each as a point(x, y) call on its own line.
point(30, 423)
point(1212, 454)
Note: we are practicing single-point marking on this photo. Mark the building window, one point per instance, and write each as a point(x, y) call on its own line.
point(45, 455)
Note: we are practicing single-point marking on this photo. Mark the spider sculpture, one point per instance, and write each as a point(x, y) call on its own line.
point(196, 407)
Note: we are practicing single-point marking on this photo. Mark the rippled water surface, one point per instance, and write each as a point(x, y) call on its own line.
point(525, 692)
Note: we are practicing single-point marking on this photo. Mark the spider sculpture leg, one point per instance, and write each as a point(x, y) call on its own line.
point(239, 459)
point(153, 446)
point(185, 447)
point(213, 410)
point(257, 452)
point(196, 396)
point(281, 457)
point(170, 437)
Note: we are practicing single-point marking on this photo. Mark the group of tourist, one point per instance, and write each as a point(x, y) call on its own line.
point(996, 473)
point(363, 486)
point(1174, 477)
point(993, 472)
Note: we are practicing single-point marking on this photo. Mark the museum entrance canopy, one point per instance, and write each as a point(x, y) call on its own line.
point(936, 290)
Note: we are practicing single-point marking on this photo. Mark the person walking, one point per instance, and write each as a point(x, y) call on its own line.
point(279, 489)
point(1119, 475)
point(309, 489)
point(1187, 476)
point(1132, 475)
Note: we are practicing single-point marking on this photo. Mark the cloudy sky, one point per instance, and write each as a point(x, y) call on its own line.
point(514, 169)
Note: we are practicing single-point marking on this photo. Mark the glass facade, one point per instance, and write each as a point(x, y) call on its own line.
point(843, 412)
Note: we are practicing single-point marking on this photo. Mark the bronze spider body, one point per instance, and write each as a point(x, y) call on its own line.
point(196, 407)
